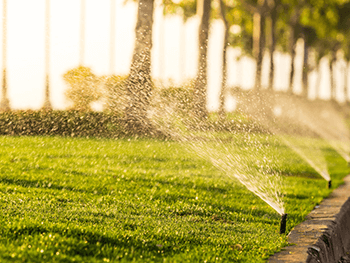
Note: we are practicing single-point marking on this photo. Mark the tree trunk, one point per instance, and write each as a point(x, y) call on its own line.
point(258, 45)
point(318, 80)
point(224, 64)
point(4, 103)
point(331, 74)
point(346, 82)
point(47, 104)
point(139, 83)
point(272, 48)
point(305, 72)
point(200, 85)
point(292, 44)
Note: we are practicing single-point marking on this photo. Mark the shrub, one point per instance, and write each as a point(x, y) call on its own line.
point(84, 87)
point(115, 93)
point(180, 98)
point(174, 106)
point(61, 123)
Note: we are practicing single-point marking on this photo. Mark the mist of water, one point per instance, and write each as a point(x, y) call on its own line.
point(337, 137)
point(243, 156)
point(311, 154)
point(323, 120)
point(281, 115)
point(246, 162)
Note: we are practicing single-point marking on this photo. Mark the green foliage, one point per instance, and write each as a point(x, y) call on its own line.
point(322, 18)
point(324, 24)
point(180, 101)
point(83, 87)
point(237, 16)
point(115, 93)
point(327, 20)
point(343, 25)
point(98, 200)
point(62, 123)
point(109, 123)
point(179, 98)
point(186, 8)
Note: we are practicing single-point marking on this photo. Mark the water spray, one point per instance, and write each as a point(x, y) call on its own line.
point(329, 184)
point(283, 224)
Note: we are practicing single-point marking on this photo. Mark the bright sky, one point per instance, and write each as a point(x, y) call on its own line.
point(26, 40)
point(175, 47)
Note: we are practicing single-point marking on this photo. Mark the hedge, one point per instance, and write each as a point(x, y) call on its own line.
point(62, 123)
point(74, 123)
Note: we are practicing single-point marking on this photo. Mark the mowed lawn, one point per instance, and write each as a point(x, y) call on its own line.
point(145, 200)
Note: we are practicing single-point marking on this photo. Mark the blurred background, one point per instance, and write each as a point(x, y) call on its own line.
point(100, 35)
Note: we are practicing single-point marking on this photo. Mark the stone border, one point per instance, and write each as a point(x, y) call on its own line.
point(325, 235)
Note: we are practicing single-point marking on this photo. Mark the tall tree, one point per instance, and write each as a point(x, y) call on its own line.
point(5, 103)
point(259, 38)
point(332, 61)
point(305, 67)
point(139, 83)
point(328, 21)
point(47, 103)
point(320, 53)
point(309, 36)
point(346, 81)
point(260, 12)
point(273, 15)
point(346, 50)
point(224, 63)
point(343, 26)
point(200, 84)
point(293, 37)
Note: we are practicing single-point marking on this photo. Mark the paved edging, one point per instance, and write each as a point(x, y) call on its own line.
point(334, 243)
point(329, 221)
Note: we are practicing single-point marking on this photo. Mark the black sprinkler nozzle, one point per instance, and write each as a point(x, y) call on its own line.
point(283, 224)
point(329, 184)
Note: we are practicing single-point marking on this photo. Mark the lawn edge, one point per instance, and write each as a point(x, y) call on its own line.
point(320, 220)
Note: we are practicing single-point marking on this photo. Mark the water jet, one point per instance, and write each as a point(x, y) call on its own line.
point(313, 156)
point(283, 224)
point(242, 153)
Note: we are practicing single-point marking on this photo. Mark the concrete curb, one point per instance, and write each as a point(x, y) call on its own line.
point(325, 235)
point(334, 243)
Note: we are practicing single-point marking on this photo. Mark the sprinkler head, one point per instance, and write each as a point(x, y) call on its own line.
point(329, 184)
point(283, 224)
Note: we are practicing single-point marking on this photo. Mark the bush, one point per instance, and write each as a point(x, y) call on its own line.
point(61, 123)
point(115, 93)
point(84, 87)
point(179, 98)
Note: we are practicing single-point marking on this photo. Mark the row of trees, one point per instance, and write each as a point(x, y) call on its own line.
point(265, 25)
point(260, 26)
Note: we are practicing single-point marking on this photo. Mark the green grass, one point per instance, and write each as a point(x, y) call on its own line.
point(102, 200)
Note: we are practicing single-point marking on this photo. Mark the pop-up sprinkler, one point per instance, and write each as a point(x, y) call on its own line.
point(329, 184)
point(283, 224)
